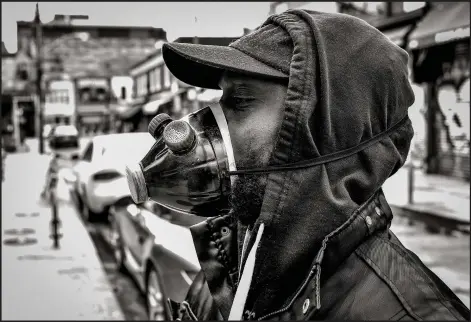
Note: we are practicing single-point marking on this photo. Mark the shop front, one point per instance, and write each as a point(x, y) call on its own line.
point(128, 118)
point(440, 51)
point(93, 104)
point(92, 124)
point(169, 102)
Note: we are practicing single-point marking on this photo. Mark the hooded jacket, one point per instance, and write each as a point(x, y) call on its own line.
point(322, 244)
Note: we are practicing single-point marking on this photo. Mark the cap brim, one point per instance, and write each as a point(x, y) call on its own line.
point(203, 65)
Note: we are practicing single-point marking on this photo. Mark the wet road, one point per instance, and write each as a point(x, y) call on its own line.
point(132, 302)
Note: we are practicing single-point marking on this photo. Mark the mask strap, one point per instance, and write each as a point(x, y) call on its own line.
point(322, 159)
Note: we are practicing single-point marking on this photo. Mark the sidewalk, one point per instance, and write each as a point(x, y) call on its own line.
point(39, 282)
point(433, 194)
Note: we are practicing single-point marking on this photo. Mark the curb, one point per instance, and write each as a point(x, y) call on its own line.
point(434, 223)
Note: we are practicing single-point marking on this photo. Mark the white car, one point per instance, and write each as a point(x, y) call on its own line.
point(100, 170)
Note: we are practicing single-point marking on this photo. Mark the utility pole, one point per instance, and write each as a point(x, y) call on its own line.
point(39, 72)
point(109, 118)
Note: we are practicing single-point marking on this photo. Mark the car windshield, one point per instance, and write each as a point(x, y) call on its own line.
point(127, 147)
point(66, 130)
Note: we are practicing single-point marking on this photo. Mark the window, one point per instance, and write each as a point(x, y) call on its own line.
point(58, 96)
point(22, 72)
point(63, 96)
point(101, 94)
point(167, 80)
point(155, 80)
point(85, 95)
point(87, 154)
point(141, 83)
point(123, 92)
point(152, 81)
point(158, 79)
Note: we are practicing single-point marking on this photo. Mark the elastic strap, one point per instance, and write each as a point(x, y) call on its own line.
point(322, 159)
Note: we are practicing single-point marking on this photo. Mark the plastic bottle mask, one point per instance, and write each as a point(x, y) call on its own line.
point(185, 168)
point(190, 167)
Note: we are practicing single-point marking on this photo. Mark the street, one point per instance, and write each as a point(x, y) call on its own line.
point(38, 281)
point(131, 301)
point(81, 278)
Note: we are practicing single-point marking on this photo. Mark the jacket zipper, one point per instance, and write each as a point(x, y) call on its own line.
point(317, 265)
point(294, 298)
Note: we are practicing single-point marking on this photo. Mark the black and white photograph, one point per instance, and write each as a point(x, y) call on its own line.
point(230, 161)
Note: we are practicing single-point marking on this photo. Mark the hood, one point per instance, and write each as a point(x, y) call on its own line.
point(110, 165)
point(348, 96)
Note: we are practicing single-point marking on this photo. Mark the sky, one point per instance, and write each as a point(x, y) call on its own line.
point(213, 19)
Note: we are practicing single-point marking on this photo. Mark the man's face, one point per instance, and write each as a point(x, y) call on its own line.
point(254, 111)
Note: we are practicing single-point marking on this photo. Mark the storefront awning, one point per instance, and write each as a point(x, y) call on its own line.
point(153, 106)
point(127, 113)
point(396, 35)
point(445, 22)
point(209, 95)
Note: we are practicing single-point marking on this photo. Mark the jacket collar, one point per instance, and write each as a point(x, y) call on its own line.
point(216, 246)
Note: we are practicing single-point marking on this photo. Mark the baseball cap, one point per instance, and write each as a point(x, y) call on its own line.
point(265, 53)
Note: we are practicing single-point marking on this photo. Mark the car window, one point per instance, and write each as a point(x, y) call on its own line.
point(87, 154)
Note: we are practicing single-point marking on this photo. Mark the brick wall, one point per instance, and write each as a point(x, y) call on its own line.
point(84, 50)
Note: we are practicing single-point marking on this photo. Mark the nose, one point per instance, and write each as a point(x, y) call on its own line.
point(136, 183)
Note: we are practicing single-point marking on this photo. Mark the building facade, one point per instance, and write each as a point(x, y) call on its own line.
point(94, 58)
point(157, 91)
point(18, 105)
point(436, 35)
point(439, 46)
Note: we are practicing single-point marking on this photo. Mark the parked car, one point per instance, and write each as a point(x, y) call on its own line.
point(100, 170)
point(63, 137)
point(8, 139)
point(155, 246)
point(4, 155)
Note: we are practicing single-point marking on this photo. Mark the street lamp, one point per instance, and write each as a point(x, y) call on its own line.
point(39, 72)
point(38, 36)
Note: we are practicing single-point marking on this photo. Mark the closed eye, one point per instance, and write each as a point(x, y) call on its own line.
point(238, 101)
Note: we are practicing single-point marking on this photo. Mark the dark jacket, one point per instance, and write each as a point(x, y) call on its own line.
point(326, 251)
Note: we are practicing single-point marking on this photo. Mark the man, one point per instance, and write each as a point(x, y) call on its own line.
point(325, 96)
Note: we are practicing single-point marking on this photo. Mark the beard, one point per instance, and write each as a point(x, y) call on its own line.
point(246, 198)
point(247, 192)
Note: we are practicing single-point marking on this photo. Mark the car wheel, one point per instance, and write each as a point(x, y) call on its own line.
point(79, 201)
point(89, 215)
point(118, 248)
point(154, 297)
